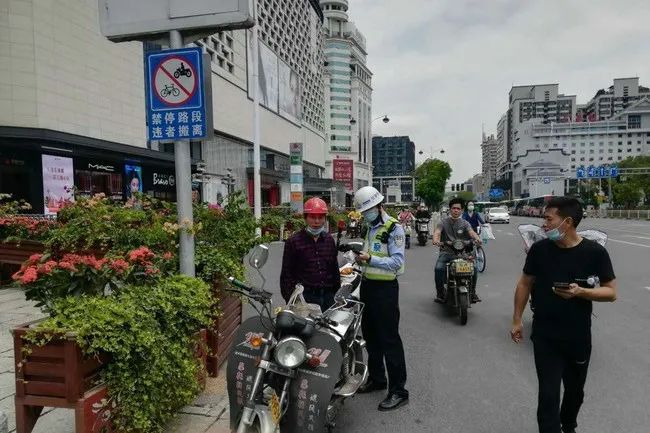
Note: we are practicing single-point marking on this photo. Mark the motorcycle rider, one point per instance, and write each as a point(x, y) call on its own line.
point(473, 218)
point(452, 227)
point(423, 212)
point(405, 216)
point(310, 258)
point(383, 260)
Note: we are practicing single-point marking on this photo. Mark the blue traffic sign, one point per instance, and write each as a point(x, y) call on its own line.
point(496, 193)
point(596, 172)
point(175, 95)
point(547, 180)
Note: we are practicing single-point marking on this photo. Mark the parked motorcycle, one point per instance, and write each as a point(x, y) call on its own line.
point(291, 373)
point(422, 230)
point(460, 281)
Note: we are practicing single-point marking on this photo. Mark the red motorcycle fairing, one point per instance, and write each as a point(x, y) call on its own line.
point(309, 392)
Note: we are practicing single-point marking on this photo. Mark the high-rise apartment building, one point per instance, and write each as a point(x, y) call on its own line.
point(348, 106)
point(624, 93)
point(489, 152)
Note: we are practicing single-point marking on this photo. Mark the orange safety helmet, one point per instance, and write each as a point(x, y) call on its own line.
point(315, 206)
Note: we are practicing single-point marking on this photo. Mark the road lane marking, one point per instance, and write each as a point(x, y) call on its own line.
point(510, 234)
point(637, 237)
point(629, 243)
point(647, 288)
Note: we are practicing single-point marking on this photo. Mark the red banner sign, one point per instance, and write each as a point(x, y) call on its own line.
point(343, 170)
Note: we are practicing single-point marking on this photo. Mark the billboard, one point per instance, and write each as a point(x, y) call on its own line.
point(133, 179)
point(295, 154)
point(267, 84)
point(278, 85)
point(289, 90)
point(343, 171)
point(58, 182)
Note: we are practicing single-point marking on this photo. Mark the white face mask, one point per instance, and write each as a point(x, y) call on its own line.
point(470, 207)
point(371, 215)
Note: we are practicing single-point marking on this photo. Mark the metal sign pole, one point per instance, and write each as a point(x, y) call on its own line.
point(257, 181)
point(183, 165)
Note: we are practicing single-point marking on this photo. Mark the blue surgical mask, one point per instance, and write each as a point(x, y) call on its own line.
point(556, 234)
point(371, 215)
point(315, 232)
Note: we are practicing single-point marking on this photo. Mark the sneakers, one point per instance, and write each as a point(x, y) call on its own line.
point(474, 298)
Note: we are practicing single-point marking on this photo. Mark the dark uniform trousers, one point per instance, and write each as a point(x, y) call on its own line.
point(380, 326)
point(566, 362)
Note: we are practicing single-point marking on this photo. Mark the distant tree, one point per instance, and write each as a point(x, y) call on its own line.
point(431, 178)
point(466, 196)
point(636, 185)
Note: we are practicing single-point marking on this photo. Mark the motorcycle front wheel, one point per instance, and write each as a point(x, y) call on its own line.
point(463, 304)
point(480, 259)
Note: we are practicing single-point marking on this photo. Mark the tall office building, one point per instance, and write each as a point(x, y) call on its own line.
point(394, 163)
point(489, 152)
point(348, 110)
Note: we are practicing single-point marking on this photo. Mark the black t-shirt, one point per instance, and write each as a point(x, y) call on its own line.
point(555, 317)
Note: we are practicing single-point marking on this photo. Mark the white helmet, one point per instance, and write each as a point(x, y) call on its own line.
point(366, 198)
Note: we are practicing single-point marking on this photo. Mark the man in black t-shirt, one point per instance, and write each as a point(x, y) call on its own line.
point(558, 271)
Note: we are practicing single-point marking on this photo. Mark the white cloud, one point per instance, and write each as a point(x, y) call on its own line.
point(444, 67)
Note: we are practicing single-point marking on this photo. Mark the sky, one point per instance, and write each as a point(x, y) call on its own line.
point(443, 68)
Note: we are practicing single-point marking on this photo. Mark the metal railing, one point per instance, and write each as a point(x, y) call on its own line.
point(630, 214)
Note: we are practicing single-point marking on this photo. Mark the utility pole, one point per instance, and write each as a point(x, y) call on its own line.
point(183, 169)
point(257, 155)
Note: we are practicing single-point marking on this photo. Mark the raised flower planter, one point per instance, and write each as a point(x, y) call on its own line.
point(54, 375)
point(14, 254)
point(222, 334)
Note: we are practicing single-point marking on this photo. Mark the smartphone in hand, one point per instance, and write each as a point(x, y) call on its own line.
point(560, 286)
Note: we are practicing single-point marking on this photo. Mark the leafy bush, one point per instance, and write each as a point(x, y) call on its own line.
point(148, 333)
point(97, 224)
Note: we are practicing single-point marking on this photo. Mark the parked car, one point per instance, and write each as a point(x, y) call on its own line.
point(497, 215)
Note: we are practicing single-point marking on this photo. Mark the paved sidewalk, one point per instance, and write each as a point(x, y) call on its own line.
point(208, 414)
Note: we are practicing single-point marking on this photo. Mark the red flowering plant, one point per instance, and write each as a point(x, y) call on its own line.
point(16, 226)
point(47, 280)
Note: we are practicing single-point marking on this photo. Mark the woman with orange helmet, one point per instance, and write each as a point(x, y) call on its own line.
point(310, 259)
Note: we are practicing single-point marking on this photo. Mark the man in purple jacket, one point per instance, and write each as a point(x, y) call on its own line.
point(310, 258)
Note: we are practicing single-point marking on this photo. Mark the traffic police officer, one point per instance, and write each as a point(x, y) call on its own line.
point(383, 260)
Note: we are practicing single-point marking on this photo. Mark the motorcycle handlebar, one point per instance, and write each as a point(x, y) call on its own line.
point(250, 290)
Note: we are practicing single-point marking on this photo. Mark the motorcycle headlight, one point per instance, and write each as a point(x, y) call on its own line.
point(458, 245)
point(290, 352)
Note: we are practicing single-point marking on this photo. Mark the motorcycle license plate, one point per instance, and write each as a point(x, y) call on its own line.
point(423, 228)
point(464, 268)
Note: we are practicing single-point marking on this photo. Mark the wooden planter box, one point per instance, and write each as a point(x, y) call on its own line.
point(54, 375)
point(14, 254)
point(222, 334)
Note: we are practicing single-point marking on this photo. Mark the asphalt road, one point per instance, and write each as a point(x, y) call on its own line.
point(473, 379)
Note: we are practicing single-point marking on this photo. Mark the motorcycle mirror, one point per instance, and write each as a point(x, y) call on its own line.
point(259, 256)
point(341, 225)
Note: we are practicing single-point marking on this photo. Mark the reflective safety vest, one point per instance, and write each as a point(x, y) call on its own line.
point(375, 247)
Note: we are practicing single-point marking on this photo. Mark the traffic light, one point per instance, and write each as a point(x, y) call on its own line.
point(453, 186)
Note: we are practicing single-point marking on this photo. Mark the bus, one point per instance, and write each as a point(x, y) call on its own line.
point(511, 205)
point(532, 206)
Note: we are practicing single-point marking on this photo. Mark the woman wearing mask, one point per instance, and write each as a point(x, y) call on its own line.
point(310, 258)
point(472, 217)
